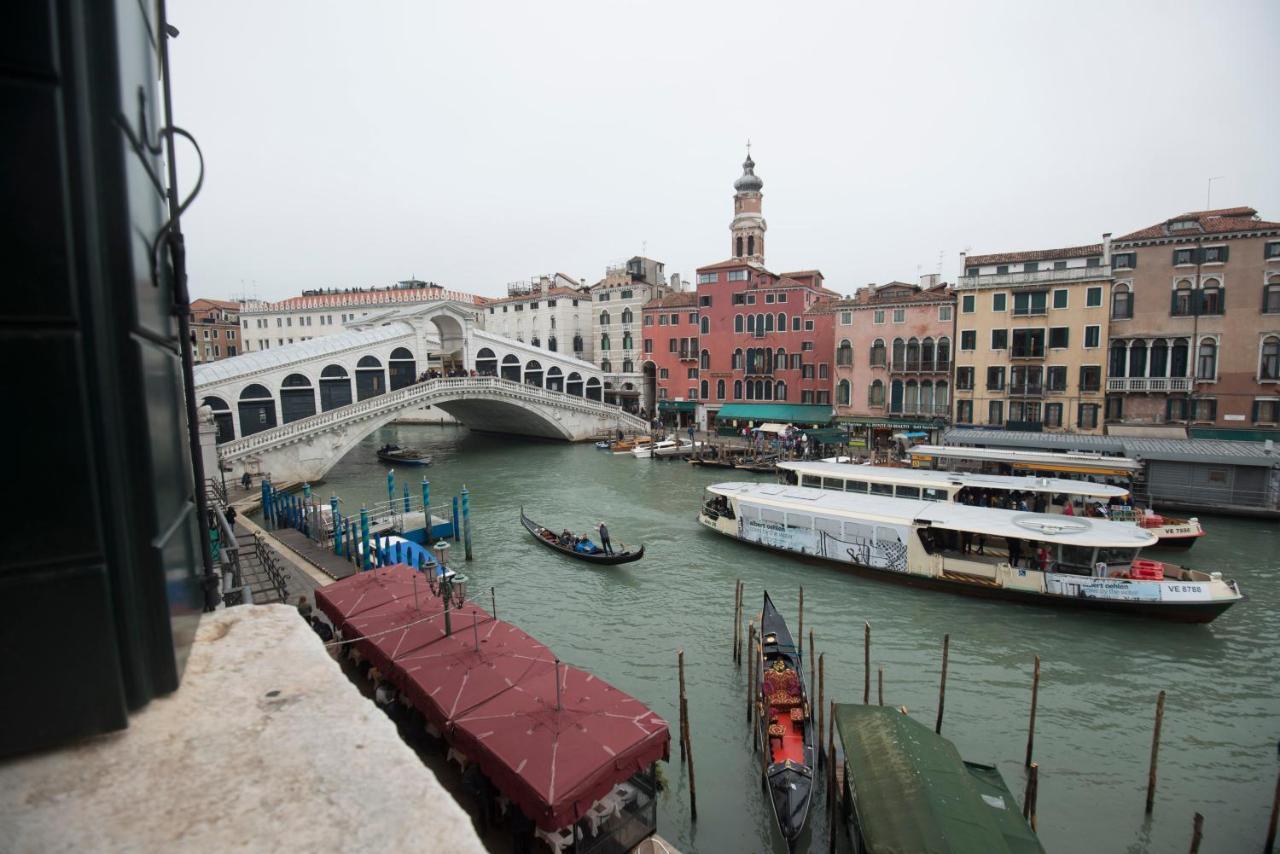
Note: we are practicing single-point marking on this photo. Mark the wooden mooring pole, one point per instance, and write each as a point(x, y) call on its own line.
point(686, 747)
point(680, 660)
point(737, 602)
point(800, 634)
point(1155, 753)
point(1197, 832)
point(880, 684)
point(866, 664)
point(813, 664)
point(1275, 814)
point(751, 671)
point(942, 685)
point(1035, 696)
point(1029, 799)
point(822, 680)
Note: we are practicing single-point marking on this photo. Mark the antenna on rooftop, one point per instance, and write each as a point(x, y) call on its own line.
point(1208, 191)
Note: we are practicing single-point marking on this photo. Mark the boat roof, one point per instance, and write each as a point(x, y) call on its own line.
point(915, 793)
point(1062, 461)
point(1195, 450)
point(1050, 528)
point(940, 479)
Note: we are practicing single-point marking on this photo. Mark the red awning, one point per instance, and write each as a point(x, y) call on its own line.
point(490, 688)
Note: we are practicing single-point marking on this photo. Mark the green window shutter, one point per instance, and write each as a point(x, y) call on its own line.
point(1173, 302)
point(1213, 410)
point(1222, 300)
point(1225, 251)
point(1196, 302)
point(1254, 416)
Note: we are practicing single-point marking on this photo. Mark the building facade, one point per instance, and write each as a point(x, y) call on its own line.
point(1031, 339)
point(894, 345)
point(619, 299)
point(1195, 323)
point(670, 356)
point(324, 311)
point(552, 312)
point(215, 324)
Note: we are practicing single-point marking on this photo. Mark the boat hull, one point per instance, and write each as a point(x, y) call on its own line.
point(1188, 612)
point(598, 559)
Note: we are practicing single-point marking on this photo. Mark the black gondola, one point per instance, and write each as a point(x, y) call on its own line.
point(603, 559)
point(784, 725)
point(403, 456)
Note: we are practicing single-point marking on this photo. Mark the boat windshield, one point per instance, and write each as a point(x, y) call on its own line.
point(1114, 557)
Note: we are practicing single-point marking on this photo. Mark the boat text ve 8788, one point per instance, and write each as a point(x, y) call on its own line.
point(1036, 558)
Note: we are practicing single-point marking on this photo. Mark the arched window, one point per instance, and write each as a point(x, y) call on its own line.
point(604, 318)
point(940, 399)
point(751, 324)
point(535, 341)
point(737, 323)
point(751, 390)
point(875, 393)
point(604, 341)
point(551, 343)
point(782, 322)
point(844, 353)
point(1138, 359)
point(1211, 297)
point(1269, 364)
point(606, 365)
point(402, 368)
point(486, 366)
point(257, 410)
point(780, 359)
point(737, 245)
point(221, 418)
point(751, 244)
point(913, 355)
point(1119, 359)
point(335, 384)
point(1271, 296)
point(511, 368)
point(297, 398)
point(719, 389)
point(926, 397)
point(779, 390)
point(766, 388)
point(737, 389)
point(555, 378)
point(926, 354)
point(573, 385)
point(626, 341)
point(913, 397)
point(704, 360)
point(1207, 360)
point(1159, 361)
point(736, 363)
point(593, 388)
point(1121, 303)
point(899, 354)
point(943, 362)
point(842, 393)
point(706, 390)
point(705, 326)
point(1180, 364)
point(533, 373)
point(628, 366)
point(1183, 300)
point(627, 315)
point(877, 353)
point(577, 344)
point(370, 381)
point(768, 323)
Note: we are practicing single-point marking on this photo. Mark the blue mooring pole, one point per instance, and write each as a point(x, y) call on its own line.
point(364, 538)
point(406, 496)
point(426, 509)
point(466, 521)
point(391, 490)
point(457, 533)
point(266, 500)
point(337, 527)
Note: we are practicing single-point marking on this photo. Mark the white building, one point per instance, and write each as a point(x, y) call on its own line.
point(617, 323)
point(551, 312)
point(264, 325)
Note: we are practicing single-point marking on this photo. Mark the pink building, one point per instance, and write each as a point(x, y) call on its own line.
point(893, 348)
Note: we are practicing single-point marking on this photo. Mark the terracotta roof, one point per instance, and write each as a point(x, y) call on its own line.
point(1034, 255)
point(215, 303)
point(794, 273)
point(1220, 221)
point(682, 299)
point(735, 262)
point(877, 296)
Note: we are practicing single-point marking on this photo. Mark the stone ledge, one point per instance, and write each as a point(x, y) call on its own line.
point(266, 746)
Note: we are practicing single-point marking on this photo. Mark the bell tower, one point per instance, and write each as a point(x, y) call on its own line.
point(748, 226)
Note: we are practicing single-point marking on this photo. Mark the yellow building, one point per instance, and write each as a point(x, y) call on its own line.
point(1031, 338)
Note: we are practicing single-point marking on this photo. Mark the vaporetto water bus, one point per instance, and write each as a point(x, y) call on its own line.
point(964, 487)
point(1034, 558)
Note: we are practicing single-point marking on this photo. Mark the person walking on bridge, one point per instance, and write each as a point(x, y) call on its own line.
point(604, 538)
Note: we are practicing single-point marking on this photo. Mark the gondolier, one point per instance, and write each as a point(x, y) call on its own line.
point(604, 538)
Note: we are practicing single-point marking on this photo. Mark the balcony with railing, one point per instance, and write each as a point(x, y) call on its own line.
point(1149, 384)
point(1029, 351)
point(921, 410)
point(1039, 277)
point(920, 366)
point(1026, 389)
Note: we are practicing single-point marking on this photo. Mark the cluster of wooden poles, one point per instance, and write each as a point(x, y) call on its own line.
point(827, 749)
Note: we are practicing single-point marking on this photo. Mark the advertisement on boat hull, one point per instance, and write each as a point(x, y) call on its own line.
point(1102, 588)
point(878, 547)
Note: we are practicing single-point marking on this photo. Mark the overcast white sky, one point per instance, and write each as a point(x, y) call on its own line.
point(477, 143)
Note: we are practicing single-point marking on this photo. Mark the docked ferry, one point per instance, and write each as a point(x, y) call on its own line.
point(1084, 496)
point(1035, 558)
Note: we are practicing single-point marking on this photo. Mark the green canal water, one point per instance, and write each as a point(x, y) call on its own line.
point(1100, 675)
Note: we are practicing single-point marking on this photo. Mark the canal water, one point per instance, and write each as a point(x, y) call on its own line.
point(1099, 675)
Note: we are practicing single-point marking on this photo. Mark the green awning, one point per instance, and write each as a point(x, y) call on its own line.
point(786, 413)
point(677, 406)
point(913, 792)
point(889, 423)
point(827, 436)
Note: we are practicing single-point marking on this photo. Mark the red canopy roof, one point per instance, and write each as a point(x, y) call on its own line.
point(490, 687)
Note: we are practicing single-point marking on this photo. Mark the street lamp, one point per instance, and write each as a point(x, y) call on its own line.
point(450, 587)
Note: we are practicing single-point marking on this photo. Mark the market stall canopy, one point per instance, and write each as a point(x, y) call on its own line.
point(772, 427)
point(913, 792)
point(793, 413)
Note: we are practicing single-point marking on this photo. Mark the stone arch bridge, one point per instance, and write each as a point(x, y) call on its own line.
point(295, 410)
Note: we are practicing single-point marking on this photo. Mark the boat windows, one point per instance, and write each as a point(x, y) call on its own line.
point(774, 516)
point(828, 526)
point(934, 494)
point(1077, 560)
point(882, 489)
point(855, 486)
point(1114, 557)
point(811, 480)
point(836, 483)
point(797, 520)
point(908, 492)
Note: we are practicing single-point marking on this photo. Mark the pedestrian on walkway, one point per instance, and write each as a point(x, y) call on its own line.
point(604, 538)
point(246, 480)
point(231, 518)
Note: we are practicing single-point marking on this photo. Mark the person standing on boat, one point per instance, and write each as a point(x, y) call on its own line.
point(604, 538)
point(692, 430)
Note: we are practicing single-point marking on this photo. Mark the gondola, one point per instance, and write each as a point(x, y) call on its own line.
point(403, 456)
point(602, 559)
point(784, 725)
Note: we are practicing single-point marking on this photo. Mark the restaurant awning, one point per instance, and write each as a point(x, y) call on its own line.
point(914, 792)
point(677, 406)
point(788, 413)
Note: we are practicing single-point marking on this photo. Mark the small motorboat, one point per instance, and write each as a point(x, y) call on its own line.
point(647, 451)
point(626, 446)
point(784, 724)
point(604, 444)
point(551, 540)
point(682, 449)
point(403, 456)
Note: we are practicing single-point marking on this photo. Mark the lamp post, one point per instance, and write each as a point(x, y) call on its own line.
point(451, 588)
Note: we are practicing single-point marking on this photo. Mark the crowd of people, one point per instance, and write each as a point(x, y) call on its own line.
point(1034, 502)
point(433, 374)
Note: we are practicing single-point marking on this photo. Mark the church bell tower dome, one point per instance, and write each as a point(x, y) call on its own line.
point(748, 227)
point(749, 182)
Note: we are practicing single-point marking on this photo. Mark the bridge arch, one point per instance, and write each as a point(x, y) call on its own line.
point(257, 409)
point(533, 373)
point(297, 398)
point(555, 378)
point(371, 381)
point(486, 363)
point(593, 389)
point(335, 387)
point(222, 417)
point(511, 368)
point(573, 385)
point(403, 368)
